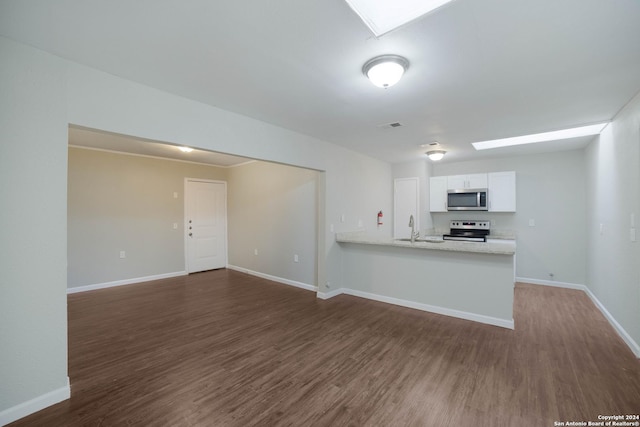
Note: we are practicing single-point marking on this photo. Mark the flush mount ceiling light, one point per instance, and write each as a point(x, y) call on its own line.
point(541, 137)
point(386, 70)
point(435, 155)
point(383, 16)
point(185, 149)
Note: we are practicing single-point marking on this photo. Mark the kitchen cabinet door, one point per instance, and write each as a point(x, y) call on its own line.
point(502, 191)
point(455, 182)
point(438, 194)
point(475, 180)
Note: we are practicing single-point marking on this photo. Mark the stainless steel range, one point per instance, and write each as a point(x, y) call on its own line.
point(468, 230)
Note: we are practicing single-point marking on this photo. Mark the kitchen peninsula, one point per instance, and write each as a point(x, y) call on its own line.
point(468, 280)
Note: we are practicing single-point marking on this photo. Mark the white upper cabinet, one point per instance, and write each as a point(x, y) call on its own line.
point(501, 187)
point(438, 194)
point(502, 191)
point(476, 180)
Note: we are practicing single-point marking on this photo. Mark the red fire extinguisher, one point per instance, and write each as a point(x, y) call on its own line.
point(380, 218)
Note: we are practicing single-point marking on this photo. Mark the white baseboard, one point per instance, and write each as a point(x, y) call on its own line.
point(273, 278)
point(635, 348)
point(330, 294)
point(34, 405)
point(124, 282)
point(504, 323)
point(551, 283)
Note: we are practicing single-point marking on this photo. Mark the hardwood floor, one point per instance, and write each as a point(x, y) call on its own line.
point(226, 349)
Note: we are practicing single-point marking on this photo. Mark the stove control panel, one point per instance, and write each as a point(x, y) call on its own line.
point(470, 225)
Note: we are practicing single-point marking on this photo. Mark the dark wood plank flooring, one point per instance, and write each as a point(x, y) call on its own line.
point(223, 348)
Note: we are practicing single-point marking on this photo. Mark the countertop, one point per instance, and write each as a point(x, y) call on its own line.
point(491, 246)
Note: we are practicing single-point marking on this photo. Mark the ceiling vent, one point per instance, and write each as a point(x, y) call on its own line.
point(391, 125)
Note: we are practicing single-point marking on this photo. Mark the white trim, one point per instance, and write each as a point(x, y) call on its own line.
point(504, 323)
point(555, 284)
point(150, 156)
point(633, 346)
point(273, 278)
point(36, 404)
point(331, 294)
point(124, 282)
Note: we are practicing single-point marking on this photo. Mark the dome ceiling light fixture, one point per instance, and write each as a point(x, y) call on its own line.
point(185, 149)
point(386, 70)
point(435, 155)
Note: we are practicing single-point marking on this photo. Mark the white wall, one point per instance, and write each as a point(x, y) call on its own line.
point(272, 208)
point(119, 202)
point(41, 95)
point(613, 195)
point(33, 242)
point(550, 189)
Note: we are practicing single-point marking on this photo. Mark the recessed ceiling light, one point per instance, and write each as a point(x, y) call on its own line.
point(384, 16)
point(185, 149)
point(541, 137)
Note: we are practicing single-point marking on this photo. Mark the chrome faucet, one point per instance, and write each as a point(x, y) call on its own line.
point(414, 234)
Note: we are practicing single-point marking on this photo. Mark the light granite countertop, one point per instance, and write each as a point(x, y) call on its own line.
point(491, 246)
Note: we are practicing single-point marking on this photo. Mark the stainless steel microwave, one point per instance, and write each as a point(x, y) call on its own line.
point(468, 199)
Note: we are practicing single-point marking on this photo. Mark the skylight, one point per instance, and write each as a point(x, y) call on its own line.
point(382, 16)
point(541, 137)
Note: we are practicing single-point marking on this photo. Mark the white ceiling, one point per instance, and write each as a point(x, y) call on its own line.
point(89, 138)
point(480, 69)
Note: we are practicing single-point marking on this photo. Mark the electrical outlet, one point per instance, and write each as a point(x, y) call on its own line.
point(295, 258)
point(175, 225)
point(359, 223)
point(175, 195)
point(123, 254)
point(532, 223)
point(255, 252)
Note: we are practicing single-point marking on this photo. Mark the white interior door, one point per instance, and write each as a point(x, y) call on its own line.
point(405, 204)
point(205, 225)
